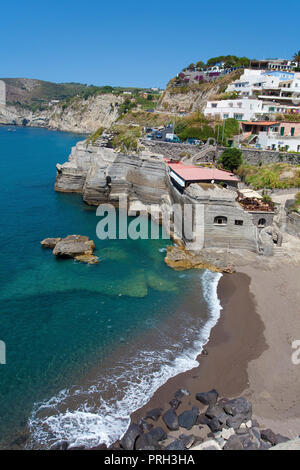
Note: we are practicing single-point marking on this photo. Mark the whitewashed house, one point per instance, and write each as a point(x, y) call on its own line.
point(243, 109)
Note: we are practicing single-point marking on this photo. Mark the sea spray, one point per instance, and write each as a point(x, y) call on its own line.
point(100, 413)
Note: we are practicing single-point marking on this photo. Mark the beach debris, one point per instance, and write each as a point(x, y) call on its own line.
point(79, 247)
point(181, 393)
point(204, 352)
point(208, 398)
point(170, 419)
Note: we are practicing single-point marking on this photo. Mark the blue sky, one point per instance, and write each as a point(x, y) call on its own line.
point(136, 43)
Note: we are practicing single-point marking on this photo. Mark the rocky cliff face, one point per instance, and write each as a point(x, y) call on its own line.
point(189, 98)
point(102, 175)
point(82, 116)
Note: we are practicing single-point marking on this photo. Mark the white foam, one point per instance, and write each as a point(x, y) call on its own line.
point(107, 421)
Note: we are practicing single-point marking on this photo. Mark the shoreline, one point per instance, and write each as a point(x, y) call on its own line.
point(229, 351)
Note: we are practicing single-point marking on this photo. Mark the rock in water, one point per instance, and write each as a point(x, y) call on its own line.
point(50, 242)
point(78, 247)
point(131, 435)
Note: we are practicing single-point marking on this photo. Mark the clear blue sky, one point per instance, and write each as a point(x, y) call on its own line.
point(136, 43)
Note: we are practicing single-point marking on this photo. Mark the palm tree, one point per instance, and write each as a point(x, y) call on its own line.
point(296, 58)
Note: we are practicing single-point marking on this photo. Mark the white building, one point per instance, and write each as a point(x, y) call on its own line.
point(2, 93)
point(274, 141)
point(253, 81)
point(243, 109)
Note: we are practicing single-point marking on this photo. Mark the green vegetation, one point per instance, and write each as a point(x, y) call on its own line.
point(231, 159)
point(92, 138)
point(197, 126)
point(288, 117)
point(296, 58)
point(228, 60)
point(126, 138)
point(296, 206)
point(220, 82)
point(273, 175)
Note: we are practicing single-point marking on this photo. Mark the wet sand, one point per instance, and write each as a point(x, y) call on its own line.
point(236, 340)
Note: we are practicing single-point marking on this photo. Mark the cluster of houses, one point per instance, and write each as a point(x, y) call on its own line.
point(257, 99)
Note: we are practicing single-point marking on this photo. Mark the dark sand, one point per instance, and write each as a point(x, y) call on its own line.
point(236, 339)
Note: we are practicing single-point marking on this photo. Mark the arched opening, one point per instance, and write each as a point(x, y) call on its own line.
point(261, 223)
point(220, 220)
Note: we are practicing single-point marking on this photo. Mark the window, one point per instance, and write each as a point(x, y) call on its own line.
point(238, 117)
point(214, 105)
point(282, 131)
point(220, 220)
point(292, 131)
point(261, 222)
point(225, 116)
point(238, 222)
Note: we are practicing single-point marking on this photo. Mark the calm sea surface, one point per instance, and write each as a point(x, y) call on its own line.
point(85, 345)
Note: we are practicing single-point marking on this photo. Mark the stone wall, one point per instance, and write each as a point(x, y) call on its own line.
point(251, 156)
point(292, 224)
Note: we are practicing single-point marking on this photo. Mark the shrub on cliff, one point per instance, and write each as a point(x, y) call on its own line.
point(231, 159)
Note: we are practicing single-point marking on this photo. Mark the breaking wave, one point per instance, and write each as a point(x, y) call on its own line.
point(100, 412)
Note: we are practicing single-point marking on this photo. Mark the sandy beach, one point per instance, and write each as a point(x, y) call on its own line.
point(249, 351)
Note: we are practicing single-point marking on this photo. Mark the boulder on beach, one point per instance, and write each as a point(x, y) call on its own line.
point(79, 247)
point(208, 398)
point(170, 419)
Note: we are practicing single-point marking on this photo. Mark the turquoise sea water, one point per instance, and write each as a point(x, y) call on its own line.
point(85, 344)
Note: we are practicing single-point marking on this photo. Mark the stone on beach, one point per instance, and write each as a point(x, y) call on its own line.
point(170, 419)
point(188, 418)
point(240, 406)
point(131, 435)
point(208, 398)
point(154, 414)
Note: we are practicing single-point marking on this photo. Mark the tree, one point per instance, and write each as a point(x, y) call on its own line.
point(231, 159)
point(296, 58)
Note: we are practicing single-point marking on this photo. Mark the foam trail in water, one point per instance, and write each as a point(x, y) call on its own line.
point(104, 420)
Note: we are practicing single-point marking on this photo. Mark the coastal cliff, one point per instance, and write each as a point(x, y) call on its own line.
point(189, 98)
point(80, 115)
point(141, 177)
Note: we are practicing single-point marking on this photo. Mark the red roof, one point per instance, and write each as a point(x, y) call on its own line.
point(260, 123)
point(196, 173)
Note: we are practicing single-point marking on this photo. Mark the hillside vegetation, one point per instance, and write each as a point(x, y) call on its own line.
point(273, 175)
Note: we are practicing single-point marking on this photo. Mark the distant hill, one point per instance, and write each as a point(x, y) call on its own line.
point(30, 91)
point(36, 94)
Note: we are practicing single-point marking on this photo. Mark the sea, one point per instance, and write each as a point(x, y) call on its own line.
point(85, 345)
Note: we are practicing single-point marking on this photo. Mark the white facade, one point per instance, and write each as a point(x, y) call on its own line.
point(2, 93)
point(243, 109)
point(255, 80)
point(274, 141)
